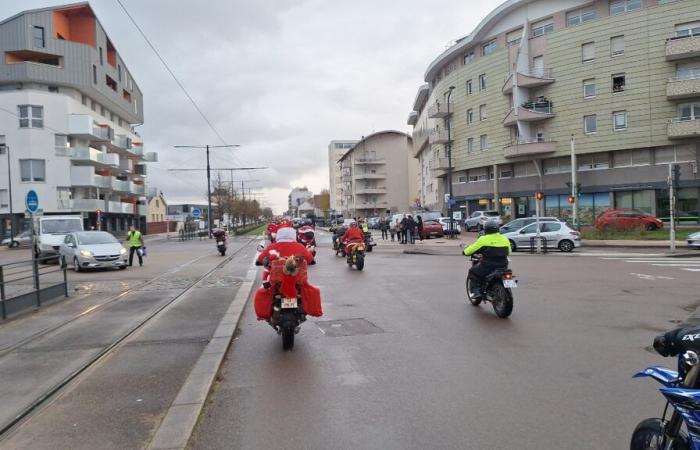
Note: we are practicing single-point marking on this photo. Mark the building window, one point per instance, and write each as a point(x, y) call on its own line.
point(469, 87)
point(4, 198)
point(622, 6)
point(525, 169)
point(541, 29)
point(119, 72)
point(590, 124)
point(579, 16)
point(618, 83)
point(689, 111)
point(103, 111)
point(470, 145)
point(470, 116)
point(630, 158)
point(3, 148)
point(83, 99)
point(482, 112)
point(589, 90)
point(469, 58)
point(38, 36)
point(31, 116)
point(674, 154)
point(109, 81)
point(462, 179)
point(61, 141)
point(596, 161)
point(93, 105)
point(482, 82)
point(53, 89)
point(32, 170)
point(102, 63)
point(617, 46)
point(480, 174)
point(484, 141)
point(619, 120)
point(588, 52)
point(94, 74)
point(557, 165)
point(506, 172)
point(488, 48)
point(690, 71)
point(688, 29)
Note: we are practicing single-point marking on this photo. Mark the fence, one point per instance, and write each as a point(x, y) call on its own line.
point(26, 285)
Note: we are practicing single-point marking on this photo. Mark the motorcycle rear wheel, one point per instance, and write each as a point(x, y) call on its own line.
point(502, 300)
point(223, 252)
point(360, 263)
point(474, 301)
point(649, 435)
point(288, 336)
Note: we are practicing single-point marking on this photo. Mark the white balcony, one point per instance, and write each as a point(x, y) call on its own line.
point(370, 176)
point(85, 176)
point(441, 110)
point(371, 190)
point(120, 208)
point(439, 137)
point(412, 118)
point(369, 161)
point(137, 148)
point(684, 128)
point(529, 147)
point(121, 141)
point(535, 77)
point(84, 126)
point(151, 156)
point(532, 113)
point(89, 155)
point(126, 165)
point(119, 185)
point(87, 204)
point(137, 189)
point(420, 140)
point(375, 205)
point(151, 192)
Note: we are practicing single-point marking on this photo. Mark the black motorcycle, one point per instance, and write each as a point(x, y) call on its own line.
point(369, 241)
point(496, 288)
point(355, 254)
point(220, 236)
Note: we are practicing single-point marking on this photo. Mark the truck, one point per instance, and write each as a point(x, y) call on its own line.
point(50, 231)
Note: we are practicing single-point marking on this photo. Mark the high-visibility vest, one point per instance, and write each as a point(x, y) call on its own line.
point(134, 238)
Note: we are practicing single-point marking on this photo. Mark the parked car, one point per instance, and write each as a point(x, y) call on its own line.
point(694, 240)
point(478, 218)
point(518, 224)
point(445, 222)
point(627, 219)
point(92, 250)
point(373, 222)
point(432, 228)
point(557, 234)
point(23, 239)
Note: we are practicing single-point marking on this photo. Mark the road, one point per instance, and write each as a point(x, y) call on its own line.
point(401, 361)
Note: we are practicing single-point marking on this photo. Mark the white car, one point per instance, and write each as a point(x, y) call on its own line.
point(445, 222)
point(478, 218)
point(23, 239)
point(694, 240)
point(558, 235)
point(93, 250)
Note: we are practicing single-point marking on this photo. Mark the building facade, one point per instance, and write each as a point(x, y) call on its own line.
point(336, 150)
point(69, 104)
point(621, 78)
point(378, 175)
point(296, 198)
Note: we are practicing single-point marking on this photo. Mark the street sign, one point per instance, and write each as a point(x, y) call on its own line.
point(32, 201)
point(457, 215)
point(196, 212)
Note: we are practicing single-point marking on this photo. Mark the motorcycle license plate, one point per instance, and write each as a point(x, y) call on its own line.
point(289, 303)
point(510, 284)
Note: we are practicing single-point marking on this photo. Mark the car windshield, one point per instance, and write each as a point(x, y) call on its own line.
point(491, 213)
point(61, 225)
point(96, 237)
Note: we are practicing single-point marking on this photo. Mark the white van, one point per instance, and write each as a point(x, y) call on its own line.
point(52, 230)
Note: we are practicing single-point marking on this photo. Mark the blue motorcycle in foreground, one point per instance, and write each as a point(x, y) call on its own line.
point(682, 391)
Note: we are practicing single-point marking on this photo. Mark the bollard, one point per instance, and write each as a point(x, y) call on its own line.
point(3, 314)
point(65, 275)
point(35, 268)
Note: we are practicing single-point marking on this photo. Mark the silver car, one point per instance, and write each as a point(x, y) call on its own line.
point(478, 218)
point(557, 234)
point(23, 239)
point(92, 250)
point(518, 224)
point(694, 240)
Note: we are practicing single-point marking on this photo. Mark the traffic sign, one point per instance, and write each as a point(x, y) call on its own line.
point(196, 212)
point(32, 201)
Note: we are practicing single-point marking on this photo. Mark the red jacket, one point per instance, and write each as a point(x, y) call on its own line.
point(284, 250)
point(353, 234)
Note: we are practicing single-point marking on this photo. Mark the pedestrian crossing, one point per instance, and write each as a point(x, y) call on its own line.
point(683, 264)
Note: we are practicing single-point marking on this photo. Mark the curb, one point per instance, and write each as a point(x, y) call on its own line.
point(177, 426)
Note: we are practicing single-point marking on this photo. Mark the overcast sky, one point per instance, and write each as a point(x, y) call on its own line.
point(279, 77)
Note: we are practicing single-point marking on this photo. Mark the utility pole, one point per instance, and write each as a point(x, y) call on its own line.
point(9, 192)
point(574, 187)
point(674, 175)
point(451, 225)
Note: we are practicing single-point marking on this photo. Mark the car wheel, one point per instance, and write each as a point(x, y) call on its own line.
point(76, 265)
point(513, 247)
point(566, 246)
point(650, 227)
point(14, 244)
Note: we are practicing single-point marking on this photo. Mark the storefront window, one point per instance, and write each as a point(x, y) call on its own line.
point(551, 206)
point(601, 203)
point(639, 200)
point(686, 204)
point(586, 212)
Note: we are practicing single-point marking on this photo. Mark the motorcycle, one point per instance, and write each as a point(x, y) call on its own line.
point(287, 310)
point(220, 236)
point(369, 241)
point(496, 288)
point(307, 237)
point(355, 254)
point(681, 390)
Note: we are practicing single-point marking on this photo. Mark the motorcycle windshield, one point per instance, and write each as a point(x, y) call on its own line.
point(663, 375)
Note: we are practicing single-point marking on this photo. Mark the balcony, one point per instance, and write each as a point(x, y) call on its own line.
point(682, 88)
point(89, 155)
point(346, 177)
point(438, 137)
point(126, 165)
point(529, 112)
point(120, 208)
point(369, 161)
point(529, 147)
point(371, 190)
point(151, 156)
point(136, 148)
point(370, 176)
point(439, 110)
point(118, 185)
point(87, 204)
point(682, 47)
point(137, 189)
point(121, 141)
point(439, 166)
point(684, 128)
point(151, 192)
point(420, 140)
point(535, 77)
point(375, 205)
point(85, 176)
point(84, 126)
point(412, 118)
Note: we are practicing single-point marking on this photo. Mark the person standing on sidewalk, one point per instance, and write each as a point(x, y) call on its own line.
point(408, 230)
point(135, 240)
point(392, 230)
point(419, 227)
point(384, 225)
point(402, 230)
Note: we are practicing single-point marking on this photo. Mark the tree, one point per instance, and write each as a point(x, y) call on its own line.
point(267, 213)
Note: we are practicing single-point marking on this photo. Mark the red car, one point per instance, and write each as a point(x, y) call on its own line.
point(627, 219)
point(432, 228)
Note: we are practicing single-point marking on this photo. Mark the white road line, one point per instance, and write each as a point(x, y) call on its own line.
point(673, 265)
point(692, 270)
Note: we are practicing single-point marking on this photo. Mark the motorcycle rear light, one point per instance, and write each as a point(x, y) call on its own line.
point(508, 276)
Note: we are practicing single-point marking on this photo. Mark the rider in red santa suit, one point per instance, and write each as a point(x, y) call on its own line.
point(285, 245)
point(353, 234)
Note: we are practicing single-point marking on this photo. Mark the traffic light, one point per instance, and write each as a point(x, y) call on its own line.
point(676, 175)
point(571, 199)
point(539, 195)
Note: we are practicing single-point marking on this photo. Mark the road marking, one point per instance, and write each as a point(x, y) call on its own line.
point(651, 277)
point(89, 310)
point(692, 270)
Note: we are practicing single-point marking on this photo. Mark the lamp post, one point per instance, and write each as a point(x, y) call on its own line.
point(9, 192)
point(449, 162)
point(574, 186)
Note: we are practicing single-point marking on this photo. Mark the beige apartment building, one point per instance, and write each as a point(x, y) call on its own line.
point(378, 175)
point(620, 77)
point(336, 150)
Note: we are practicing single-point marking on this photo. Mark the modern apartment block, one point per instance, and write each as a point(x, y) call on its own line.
point(296, 198)
point(378, 175)
point(69, 105)
point(336, 150)
point(620, 76)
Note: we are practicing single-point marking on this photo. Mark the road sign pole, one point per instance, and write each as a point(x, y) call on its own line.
point(671, 207)
point(209, 193)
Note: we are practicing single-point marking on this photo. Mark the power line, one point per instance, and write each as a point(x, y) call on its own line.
point(201, 113)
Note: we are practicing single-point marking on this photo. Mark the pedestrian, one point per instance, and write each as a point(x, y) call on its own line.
point(392, 230)
point(410, 230)
point(135, 240)
point(419, 227)
point(384, 225)
point(402, 230)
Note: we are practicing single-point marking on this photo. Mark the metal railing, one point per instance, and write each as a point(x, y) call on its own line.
point(26, 285)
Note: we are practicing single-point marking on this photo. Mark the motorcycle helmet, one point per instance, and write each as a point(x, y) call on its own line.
point(490, 227)
point(353, 223)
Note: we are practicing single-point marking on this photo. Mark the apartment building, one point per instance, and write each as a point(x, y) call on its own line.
point(298, 197)
point(336, 150)
point(620, 77)
point(378, 175)
point(68, 105)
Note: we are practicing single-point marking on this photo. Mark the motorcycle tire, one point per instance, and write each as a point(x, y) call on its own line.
point(369, 248)
point(502, 300)
point(223, 252)
point(649, 435)
point(474, 301)
point(288, 336)
point(360, 263)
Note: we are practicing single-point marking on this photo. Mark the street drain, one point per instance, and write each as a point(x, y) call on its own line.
point(348, 327)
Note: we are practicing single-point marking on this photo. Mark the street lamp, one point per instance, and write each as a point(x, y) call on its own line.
point(9, 192)
point(449, 162)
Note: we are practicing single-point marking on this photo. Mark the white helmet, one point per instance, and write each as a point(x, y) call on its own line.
point(286, 234)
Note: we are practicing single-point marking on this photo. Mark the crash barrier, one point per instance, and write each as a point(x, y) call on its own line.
point(26, 285)
point(187, 235)
point(533, 244)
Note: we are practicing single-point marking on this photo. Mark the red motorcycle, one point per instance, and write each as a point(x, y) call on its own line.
point(306, 236)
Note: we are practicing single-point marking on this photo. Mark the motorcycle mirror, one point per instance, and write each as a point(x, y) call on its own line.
point(691, 359)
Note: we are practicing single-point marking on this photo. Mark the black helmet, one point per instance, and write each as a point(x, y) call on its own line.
point(490, 227)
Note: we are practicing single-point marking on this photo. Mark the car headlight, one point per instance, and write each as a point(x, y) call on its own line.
point(122, 251)
point(86, 253)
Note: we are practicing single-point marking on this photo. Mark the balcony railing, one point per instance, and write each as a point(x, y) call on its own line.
point(440, 110)
point(530, 113)
point(86, 176)
point(534, 77)
point(529, 147)
point(412, 118)
point(371, 190)
point(682, 47)
point(119, 185)
point(370, 176)
point(151, 156)
point(126, 165)
point(87, 204)
point(683, 87)
point(120, 208)
point(684, 128)
point(370, 161)
point(137, 189)
point(420, 139)
point(374, 205)
point(94, 156)
point(84, 126)
point(439, 137)
point(439, 164)
point(122, 142)
point(136, 149)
